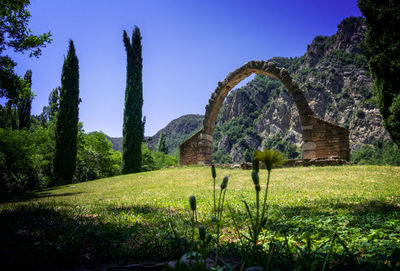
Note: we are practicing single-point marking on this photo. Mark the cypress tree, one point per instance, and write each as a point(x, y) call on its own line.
point(162, 145)
point(381, 47)
point(133, 125)
point(25, 103)
point(67, 119)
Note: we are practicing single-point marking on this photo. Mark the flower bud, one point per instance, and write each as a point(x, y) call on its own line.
point(254, 176)
point(192, 201)
point(213, 172)
point(258, 188)
point(202, 233)
point(256, 164)
point(224, 183)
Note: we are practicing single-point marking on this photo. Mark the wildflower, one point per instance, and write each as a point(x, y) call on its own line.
point(269, 157)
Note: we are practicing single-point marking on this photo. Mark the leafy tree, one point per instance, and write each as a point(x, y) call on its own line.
point(15, 35)
point(381, 47)
point(162, 145)
point(148, 163)
point(95, 157)
point(156, 160)
point(25, 103)
point(133, 125)
point(67, 119)
point(49, 112)
point(25, 159)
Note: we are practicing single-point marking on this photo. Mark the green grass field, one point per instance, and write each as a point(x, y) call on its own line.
point(132, 217)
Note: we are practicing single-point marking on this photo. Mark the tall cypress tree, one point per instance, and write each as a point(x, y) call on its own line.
point(67, 119)
point(25, 103)
point(133, 125)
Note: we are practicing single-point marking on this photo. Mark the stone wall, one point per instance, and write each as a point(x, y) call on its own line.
point(196, 150)
point(321, 138)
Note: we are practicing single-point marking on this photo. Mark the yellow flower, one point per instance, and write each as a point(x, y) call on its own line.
point(269, 157)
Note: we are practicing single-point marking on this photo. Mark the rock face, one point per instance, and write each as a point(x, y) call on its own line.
point(334, 77)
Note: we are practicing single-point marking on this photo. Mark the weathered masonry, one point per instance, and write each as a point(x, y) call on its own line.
point(321, 139)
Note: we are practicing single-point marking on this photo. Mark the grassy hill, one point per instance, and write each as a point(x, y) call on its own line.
point(129, 218)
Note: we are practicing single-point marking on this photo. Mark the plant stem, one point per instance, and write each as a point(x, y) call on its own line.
point(215, 208)
point(265, 198)
point(257, 225)
point(192, 246)
point(218, 224)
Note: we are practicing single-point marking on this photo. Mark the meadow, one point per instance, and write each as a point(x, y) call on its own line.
point(146, 216)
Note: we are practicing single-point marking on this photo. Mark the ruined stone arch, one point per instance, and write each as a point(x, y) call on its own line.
point(321, 139)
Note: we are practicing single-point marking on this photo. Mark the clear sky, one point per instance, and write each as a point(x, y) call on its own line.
point(188, 46)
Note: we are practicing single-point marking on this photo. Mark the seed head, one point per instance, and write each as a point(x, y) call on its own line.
point(224, 183)
point(192, 201)
point(213, 172)
point(202, 233)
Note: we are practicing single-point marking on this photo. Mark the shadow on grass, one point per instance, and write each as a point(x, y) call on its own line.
point(43, 237)
point(35, 195)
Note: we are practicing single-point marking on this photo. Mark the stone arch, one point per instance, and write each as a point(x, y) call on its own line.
point(321, 139)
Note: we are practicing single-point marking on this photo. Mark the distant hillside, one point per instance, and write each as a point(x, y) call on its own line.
point(333, 73)
point(176, 132)
point(116, 142)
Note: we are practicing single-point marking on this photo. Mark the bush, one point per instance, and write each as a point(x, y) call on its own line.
point(380, 153)
point(25, 159)
point(156, 160)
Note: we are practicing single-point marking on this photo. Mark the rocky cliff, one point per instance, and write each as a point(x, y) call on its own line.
point(333, 73)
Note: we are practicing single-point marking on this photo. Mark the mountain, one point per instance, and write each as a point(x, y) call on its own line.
point(333, 74)
point(176, 132)
point(116, 142)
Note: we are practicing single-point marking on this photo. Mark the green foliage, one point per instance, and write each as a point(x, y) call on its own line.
point(162, 147)
point(156, 160)
point(133, 125)
point(25, 159)
point(289, 149)
point(381, 47)
point(25, 103)
point(235, 130)
point(347, 58)
point(67, 119)
point(15, 35)
point(96, 158)
point(50, 111)
point(380, 153)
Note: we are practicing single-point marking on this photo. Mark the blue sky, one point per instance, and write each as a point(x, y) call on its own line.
point(188, 46)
